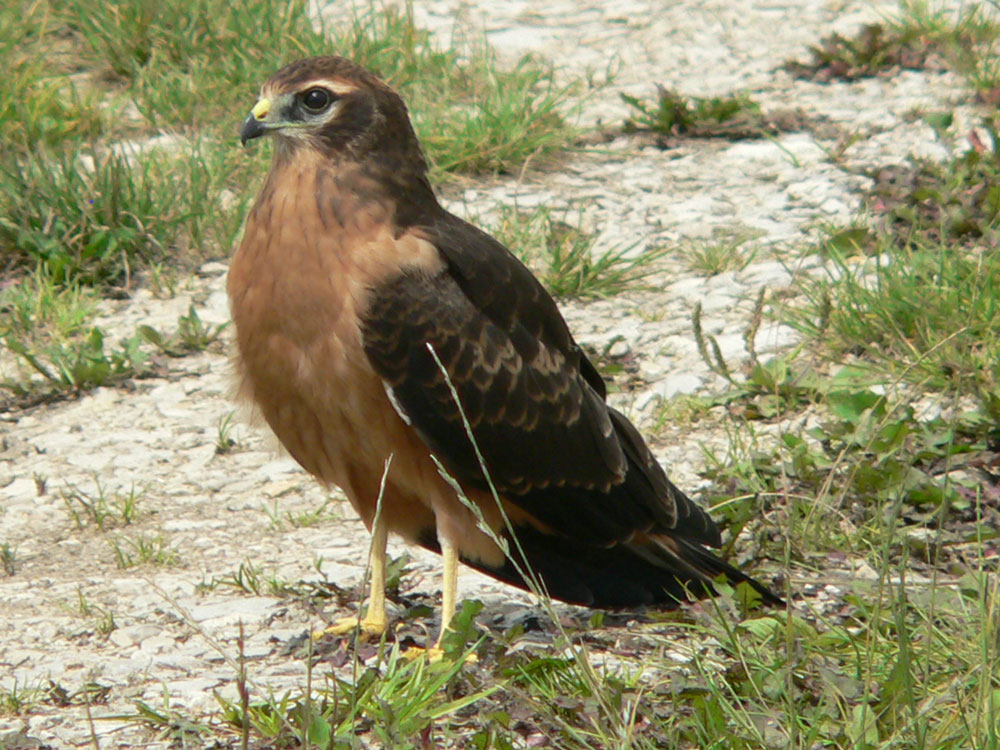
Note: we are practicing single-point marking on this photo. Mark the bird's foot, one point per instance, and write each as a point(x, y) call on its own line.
point(433, 654)
point(366, 628)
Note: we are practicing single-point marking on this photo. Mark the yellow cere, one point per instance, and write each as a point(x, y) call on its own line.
point(261, 108)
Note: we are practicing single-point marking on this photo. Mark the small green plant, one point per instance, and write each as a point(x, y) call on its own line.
point(105, 623)
point(224, 441)
point(398, 700)
point(565, 259)
point(100, 510)
point(736, 116)
point(300, 520)
point(8, 558)
point(250, 579)
point(78, 364)
point(166, 724)
point(18, 699)
point(45, 325)
point(874, 49)
point(192, 335)
point(247, 579)
point(143, 550)
point(38, 307)
point(103, 619)
point(720, 255)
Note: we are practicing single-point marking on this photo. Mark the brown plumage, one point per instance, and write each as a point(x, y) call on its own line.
point(349, 274)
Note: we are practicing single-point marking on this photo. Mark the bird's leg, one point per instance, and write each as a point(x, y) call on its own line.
point(449, 591)
point(449, 588)
point(375, 621)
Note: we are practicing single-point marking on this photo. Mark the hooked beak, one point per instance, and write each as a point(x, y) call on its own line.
point(255, 126)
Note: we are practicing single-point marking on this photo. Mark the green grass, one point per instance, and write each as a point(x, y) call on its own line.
point(194, 69)
point(46, 326)
point(726, 251)
point(8, 558)
point(563, 256)
point(922, 34)
point(19, 699)
point(144, 549)
point(101, 510)
point(192, 335)
point(394, 702)
point(923, 309)
point(736, 116)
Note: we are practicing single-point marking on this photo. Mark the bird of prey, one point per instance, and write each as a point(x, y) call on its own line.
point(373, 326)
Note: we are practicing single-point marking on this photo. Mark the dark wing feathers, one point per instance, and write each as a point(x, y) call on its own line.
point(506, 292)
point(531, 415)
point(616, 532)
point(549, 441)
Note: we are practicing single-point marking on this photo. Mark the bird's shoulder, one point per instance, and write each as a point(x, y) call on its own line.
point(505, 291)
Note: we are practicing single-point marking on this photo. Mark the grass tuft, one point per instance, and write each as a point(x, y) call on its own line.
point(735, 117)
point(564, 256)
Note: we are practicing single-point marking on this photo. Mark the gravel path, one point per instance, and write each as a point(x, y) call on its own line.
point(217, 510)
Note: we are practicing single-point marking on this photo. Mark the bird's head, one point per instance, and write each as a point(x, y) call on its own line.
point(335, 106)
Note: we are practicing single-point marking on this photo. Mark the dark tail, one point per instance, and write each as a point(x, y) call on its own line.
point(658, 571)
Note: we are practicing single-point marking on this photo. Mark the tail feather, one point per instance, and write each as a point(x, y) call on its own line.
point(659, 571)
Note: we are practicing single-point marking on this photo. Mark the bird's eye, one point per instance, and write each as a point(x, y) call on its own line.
point(316, 100)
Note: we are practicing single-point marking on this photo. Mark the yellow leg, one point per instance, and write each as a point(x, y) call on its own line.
point(449, 588)
point(449, 595)
point(375, 621)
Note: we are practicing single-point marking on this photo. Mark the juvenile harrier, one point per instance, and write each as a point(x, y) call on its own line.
point(352, 284)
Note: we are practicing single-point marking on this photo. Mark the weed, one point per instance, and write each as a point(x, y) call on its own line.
point(224, 441)
point(959, 200)
point(192, 335)
point(8, 558)
point(78, 364)
point(19, 699)
point(301, 520)
point(85, 216)
point(41, 308)
point(565, 258)
point(874, 49)
point(920, 36)
point(736, 117)
point(165, 724)
point(103, 619)
point(143, 550)
point(99, 509)
point(922, 309)
point(724, 253)
point(397, 700)
point(249, 579)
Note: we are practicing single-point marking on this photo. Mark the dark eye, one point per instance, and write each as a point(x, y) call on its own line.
point(316, 100)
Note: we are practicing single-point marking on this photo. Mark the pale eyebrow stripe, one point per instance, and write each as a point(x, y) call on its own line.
point(338, 86)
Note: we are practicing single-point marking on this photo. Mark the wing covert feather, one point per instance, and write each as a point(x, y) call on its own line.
point(536, 421)
point(534, 401)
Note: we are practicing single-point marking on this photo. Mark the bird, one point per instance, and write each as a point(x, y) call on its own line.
point(407, 357)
